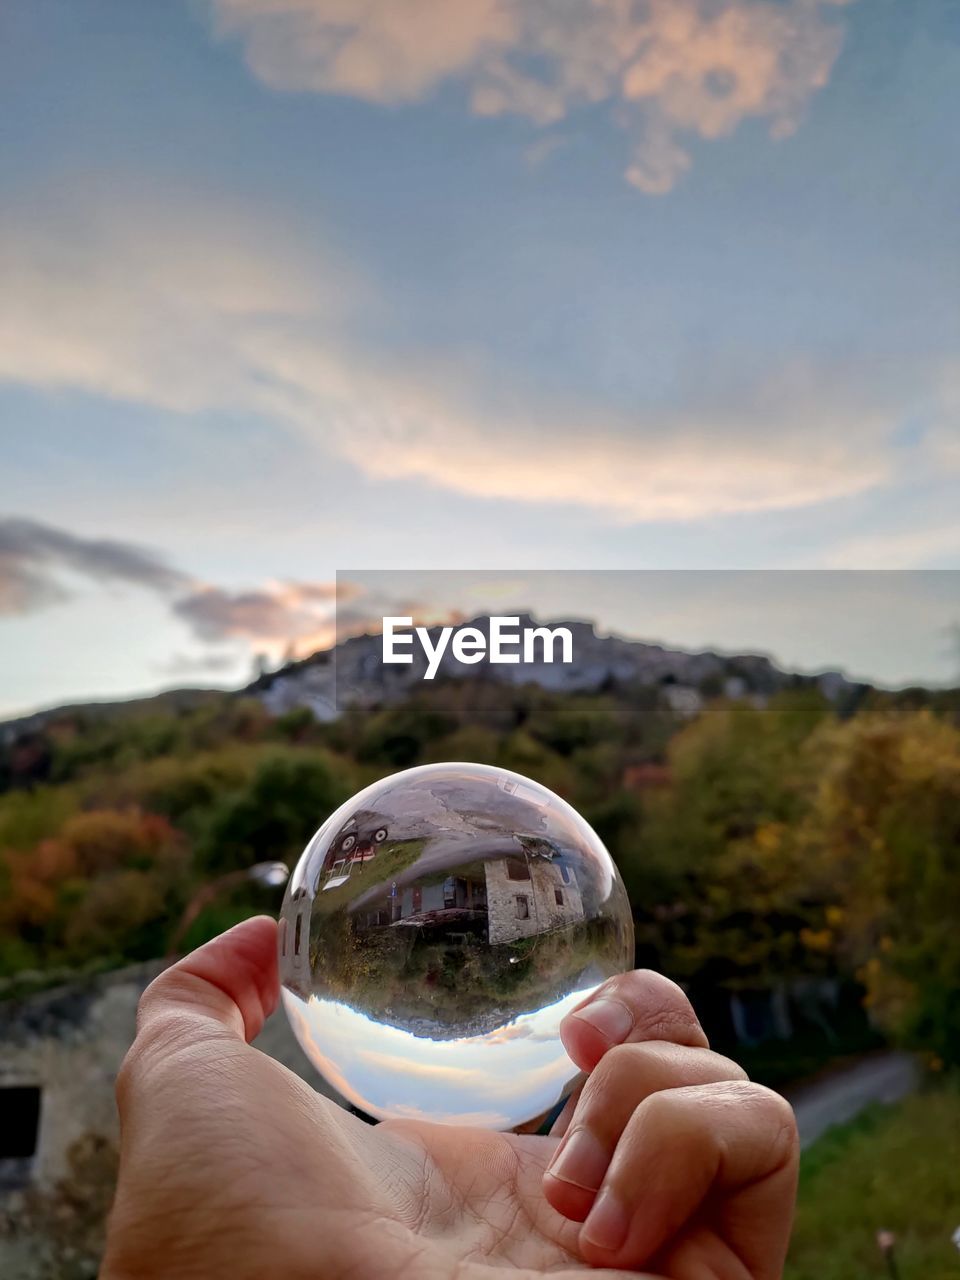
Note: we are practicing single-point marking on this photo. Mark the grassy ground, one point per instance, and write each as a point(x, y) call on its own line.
point(895, 1168)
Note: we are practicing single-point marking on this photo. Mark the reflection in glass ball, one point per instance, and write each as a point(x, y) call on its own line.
point(435, 932)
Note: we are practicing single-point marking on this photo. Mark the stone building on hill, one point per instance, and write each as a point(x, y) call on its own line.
point(515, 897)
point(527, 896)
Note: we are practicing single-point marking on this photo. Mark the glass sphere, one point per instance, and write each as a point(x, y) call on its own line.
point(436, 930)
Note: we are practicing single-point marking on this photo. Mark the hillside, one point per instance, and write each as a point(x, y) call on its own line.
point(353, 673)
point(770, 827)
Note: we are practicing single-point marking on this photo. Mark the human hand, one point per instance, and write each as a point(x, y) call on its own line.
point(233, 1167)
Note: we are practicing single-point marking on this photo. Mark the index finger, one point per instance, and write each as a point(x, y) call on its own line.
point(703, 1180)
point(627, 1009)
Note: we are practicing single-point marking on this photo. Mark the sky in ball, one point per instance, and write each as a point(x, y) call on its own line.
point(628, 284)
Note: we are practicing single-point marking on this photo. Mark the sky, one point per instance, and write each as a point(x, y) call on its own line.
point(396, 284)
point(510, 1075)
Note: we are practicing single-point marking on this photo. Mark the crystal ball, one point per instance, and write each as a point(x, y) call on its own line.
point(436, 930)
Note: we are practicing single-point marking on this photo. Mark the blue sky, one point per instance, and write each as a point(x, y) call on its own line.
point(621, 284)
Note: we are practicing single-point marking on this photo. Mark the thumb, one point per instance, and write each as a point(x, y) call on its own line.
point(184, 1080)
point(231, 982)
point(225, 990)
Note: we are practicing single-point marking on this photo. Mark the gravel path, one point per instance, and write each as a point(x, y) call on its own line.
point(886, 1077)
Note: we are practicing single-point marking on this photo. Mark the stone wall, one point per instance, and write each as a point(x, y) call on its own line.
point(521, 908)
point(69, 1043)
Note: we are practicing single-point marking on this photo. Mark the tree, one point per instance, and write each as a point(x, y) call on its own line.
point(885, 837)
point(399, 734)
point(101, 887)
point(274, 815)
point(720, 890)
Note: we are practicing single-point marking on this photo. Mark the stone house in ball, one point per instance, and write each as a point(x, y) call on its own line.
point(513, 897)
point(527, 896)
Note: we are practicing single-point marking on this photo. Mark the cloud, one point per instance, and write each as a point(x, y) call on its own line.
point(277, 618)
point(666, 69)
point(154, 303)
point(362, 609)
point(293, 618)
point(896, 549)
point(475, 1119)
point(389, 51)
point(166, 309)
point(797, 440)
point(190, 664)
point(803, 435)
point(943, 437)
point(33, 557)
point(437, 1072)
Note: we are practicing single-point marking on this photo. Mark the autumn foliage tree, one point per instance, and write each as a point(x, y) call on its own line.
point(884, 836)
point(721, 892)
point(760, 842)
point(103, 886)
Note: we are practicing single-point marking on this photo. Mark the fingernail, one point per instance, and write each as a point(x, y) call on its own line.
point(612, 1019)
point(607, 1222)
point(582, 1161)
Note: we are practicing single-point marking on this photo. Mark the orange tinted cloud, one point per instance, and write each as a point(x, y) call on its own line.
point(666, 67)
point(681, 466)
point(380, 50)
point(242, 337)
point(277, 617)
